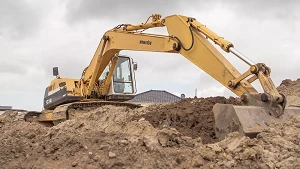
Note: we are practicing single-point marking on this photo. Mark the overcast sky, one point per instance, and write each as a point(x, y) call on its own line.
point(36, 35)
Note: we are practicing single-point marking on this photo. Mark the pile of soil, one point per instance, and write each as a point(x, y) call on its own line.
point(291, 89)
point(176, 135)
point(113, 137)
point(191, 117)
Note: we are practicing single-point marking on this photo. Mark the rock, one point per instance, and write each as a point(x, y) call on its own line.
point(150, 142)
point(74, 164)
point(230, 163)
point(248, 153)
point(97, 157)
point(199, 162)
point(31, 136)
point(234, 143)
point(142, 119)
point(124, 142)
point(103, 146)
point(90, 155)
point(208, 155)
point(168, 137)
point(215, 147)
point(112, 154)
point(228, 157)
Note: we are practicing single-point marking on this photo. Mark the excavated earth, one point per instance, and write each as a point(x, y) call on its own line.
point(176, 135)
point(291, 89)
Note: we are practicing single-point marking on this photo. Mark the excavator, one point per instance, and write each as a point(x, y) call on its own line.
point(109, 79)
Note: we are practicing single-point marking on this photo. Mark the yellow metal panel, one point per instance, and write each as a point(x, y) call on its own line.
point(45, 116)
point(205, 55)
point(120, 40)
point(202, 52)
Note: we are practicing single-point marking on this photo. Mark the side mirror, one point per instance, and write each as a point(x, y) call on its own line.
point(55, 71)
point(61, 84)
point(135, 66)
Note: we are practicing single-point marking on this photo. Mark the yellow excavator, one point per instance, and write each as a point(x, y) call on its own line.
point(110, 77)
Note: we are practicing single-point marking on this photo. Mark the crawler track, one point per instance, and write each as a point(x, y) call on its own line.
point(70, 110)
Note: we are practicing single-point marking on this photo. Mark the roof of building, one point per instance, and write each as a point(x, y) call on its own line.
point(5, 107)
point(156, 96)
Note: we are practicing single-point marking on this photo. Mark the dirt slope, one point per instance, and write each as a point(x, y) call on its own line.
point(113, 137)
point(177, 135)
point(291, 88)
point(191, 117)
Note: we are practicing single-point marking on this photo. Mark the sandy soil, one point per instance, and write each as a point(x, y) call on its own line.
point(177, 135)
point(291, 89)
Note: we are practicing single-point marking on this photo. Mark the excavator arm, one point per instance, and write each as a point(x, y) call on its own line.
point(188, 38)
point(193, 40)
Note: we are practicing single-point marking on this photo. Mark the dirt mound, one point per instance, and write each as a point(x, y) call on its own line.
point(118, 137)
point(291, 89)
point(276, 147)
point(191, 117)
point(176, 135)
point(10, 116)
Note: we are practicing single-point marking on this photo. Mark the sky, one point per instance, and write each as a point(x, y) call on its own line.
point(36, 35)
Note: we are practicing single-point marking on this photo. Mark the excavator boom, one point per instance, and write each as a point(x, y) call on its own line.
point(187, 37)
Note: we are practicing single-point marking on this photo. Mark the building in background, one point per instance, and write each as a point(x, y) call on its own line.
point(3, 108)
point(156, 96)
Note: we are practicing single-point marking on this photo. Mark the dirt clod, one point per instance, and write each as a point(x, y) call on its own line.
point(112, 154)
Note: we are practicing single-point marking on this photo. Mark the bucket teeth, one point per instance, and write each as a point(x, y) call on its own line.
point(247, 120)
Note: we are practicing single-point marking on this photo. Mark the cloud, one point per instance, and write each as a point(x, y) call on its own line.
point(9, 67)
point(130, 10)
point(36, 36)
point(266, 10)
point(20, 19)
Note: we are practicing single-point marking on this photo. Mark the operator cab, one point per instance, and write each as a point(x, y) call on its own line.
point(123, 85)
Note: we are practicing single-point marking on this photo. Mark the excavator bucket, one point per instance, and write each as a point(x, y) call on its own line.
point(247, 120)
